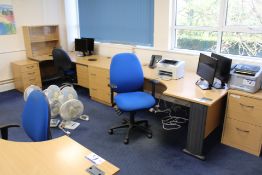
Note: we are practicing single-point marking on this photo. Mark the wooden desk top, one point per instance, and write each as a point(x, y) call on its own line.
point(58, 156)
point(183, 88)
point(186, 89)
point(101, 62)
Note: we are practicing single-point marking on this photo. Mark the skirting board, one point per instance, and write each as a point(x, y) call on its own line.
point(6, 85)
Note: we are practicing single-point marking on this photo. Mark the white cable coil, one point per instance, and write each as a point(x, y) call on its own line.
point(169, 122)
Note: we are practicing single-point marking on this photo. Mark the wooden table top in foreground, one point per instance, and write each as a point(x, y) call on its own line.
point(60, 156)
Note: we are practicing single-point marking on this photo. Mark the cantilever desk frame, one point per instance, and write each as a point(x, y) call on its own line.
point(206, 106)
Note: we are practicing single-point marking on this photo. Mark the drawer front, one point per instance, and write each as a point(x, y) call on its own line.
point(100, 95)
point(242, 135)
point(30, 67)
point(98, 78)
point(82, 70)
point(83, 81)
point(99, 72)
point(82, 75)
point(32, 81)
point(245, 109)
point(30, 74)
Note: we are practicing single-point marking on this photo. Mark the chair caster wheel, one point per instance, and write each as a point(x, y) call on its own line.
point(110, 131)
point(149, 136)
point(126, 141)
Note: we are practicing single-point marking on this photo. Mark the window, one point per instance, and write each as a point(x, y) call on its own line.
point(117, 21)
point(225, 26)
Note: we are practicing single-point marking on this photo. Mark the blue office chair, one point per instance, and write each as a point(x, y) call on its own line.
point(36, 117)
point(65, 66)
point(127, 80)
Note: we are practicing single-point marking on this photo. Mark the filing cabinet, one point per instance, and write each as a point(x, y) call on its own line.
point(26, 73)
point(243, 121)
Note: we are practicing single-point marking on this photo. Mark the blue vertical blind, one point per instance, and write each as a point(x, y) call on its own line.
point(117, 21)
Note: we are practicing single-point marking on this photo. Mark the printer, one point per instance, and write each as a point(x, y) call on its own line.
point(246, 78)
point(170, 69)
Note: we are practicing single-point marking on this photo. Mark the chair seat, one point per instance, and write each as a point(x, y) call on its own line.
point(133, 101)
point(70, 72)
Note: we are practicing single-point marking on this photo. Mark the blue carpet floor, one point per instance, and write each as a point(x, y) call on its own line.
point(160, 155)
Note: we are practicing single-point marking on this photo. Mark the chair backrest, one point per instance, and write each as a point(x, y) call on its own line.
point(36, 117)
point(61, 59)
point(126, 73)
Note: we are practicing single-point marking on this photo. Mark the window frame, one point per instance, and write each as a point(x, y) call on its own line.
point(220, 29)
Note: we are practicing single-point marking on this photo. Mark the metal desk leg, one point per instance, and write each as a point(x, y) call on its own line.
point(196, 130)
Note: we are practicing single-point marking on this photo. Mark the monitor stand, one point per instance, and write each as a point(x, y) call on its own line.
point(203, 84)
point(80, 54)
point(89, 53)
point(219, 85)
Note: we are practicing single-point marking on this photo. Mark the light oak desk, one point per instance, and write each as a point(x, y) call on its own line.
point(55, 157)
point(205, 115)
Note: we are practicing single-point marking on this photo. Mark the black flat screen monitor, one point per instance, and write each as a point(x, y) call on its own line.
point(206, 69)
point(89, 45)
point(223, 69)
point(79, 45)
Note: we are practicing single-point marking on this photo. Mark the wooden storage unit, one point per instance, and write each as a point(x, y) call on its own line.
point(98, 84)
point(26, 73)
point(82, 75)
point(40, 41)
point(243, 121)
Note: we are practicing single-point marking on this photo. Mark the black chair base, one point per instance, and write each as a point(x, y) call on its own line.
point(131, 124)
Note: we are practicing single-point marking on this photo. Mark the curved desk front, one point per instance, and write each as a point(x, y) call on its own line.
point(60, 156)
point(206, 106)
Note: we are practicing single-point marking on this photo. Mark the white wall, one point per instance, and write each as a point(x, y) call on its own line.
point(64, 13)
point(27, 12)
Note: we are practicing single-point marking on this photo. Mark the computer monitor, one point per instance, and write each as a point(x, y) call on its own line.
point(222, 71)
point(79, 46)
point(89, 45)
point(206, 69)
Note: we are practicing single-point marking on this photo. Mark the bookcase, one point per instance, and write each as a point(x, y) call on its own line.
point(40, 41)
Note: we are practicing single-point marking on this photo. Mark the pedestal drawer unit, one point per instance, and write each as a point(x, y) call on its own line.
point(98, 84)
point(26, 73)
point(243, 121)
point(82, 75)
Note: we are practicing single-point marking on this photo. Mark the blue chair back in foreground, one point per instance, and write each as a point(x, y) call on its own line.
point(36, 117)
point(126, 81)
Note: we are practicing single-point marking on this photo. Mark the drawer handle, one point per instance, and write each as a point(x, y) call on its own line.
point(32, 79)
point(94, 89)
point(29, 67)
point(246, 131)
point(247, 106)
point(32, 73)
point(93, 74)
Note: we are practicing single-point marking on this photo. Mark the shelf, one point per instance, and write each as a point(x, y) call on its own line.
point(44, 40)
point(40, 40)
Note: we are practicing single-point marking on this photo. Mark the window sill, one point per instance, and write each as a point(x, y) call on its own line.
point(235, 58)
